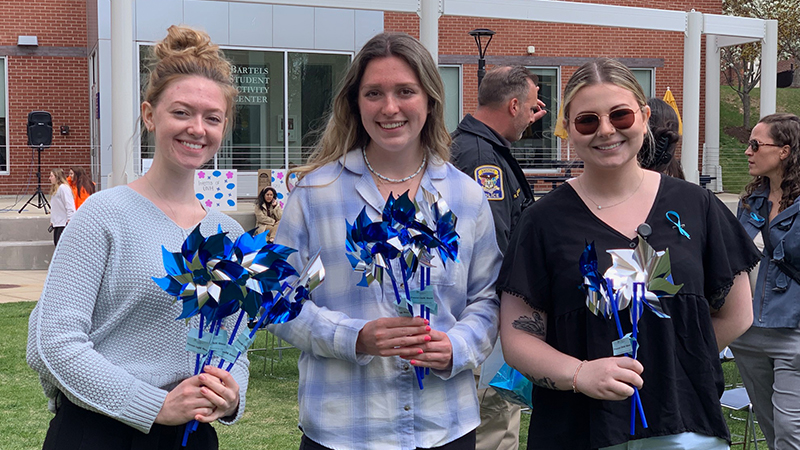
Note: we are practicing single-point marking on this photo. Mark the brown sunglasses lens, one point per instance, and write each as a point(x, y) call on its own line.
point(621, 119)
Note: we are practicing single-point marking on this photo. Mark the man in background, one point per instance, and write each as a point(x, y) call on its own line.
point(507, 105)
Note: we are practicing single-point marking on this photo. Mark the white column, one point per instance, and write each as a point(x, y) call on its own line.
point(691, 96)
point(711, 153)
point(769, 67)
point(429, 27)
point(122, 92)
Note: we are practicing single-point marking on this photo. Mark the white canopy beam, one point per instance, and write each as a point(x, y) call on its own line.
point(691, 96)
point(569, 12)
point(122, 92)
point(769, 68)
point(711, 151)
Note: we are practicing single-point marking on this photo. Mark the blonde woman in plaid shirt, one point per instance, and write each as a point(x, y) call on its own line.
point(357, 388)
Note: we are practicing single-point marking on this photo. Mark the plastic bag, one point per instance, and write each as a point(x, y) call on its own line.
point(513, 386)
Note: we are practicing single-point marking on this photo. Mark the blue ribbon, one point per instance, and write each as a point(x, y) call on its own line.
point(677, 222)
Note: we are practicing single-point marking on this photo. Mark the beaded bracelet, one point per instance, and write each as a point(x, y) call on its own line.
point(575, 377)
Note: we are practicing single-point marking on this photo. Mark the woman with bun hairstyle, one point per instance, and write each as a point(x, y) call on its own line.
point(63, 206)
point(658, 153)
point(103, 337)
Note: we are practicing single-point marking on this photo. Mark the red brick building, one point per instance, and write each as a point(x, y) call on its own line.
point(52, 76)
point(60, 75)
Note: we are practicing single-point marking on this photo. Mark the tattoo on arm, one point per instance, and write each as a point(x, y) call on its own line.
point(534, 325)
point(544, 382)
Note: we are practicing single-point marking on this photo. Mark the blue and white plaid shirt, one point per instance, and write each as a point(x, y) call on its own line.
point(350, 400)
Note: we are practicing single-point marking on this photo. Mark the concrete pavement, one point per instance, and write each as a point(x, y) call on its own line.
point(21, 285)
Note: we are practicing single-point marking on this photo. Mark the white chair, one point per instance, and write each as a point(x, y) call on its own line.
point(737, 399)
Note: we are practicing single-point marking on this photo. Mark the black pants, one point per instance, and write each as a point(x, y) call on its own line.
point(57, 234)
point(75, 428)
point(466, 442)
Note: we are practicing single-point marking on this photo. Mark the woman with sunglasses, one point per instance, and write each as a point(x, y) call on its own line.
point(582, 391)
point(768, 354)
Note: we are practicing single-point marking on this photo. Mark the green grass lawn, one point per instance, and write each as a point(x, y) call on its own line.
point(269, 423)
point(731, 157)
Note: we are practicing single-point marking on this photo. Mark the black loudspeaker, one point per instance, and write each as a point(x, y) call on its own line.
point(40, 129)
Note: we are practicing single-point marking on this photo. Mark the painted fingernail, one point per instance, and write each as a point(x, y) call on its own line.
point(419, 351)
point(427, 322)
point(427, 328)
point(413, 362)
point(427, 338)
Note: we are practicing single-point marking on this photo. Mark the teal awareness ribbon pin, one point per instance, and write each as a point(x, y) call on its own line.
point(676, 220)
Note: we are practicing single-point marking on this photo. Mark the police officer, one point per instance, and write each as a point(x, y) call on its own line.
point(507, 106)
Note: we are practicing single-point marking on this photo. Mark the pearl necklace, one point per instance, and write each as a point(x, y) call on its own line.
point(394, 180)
point(585, 194)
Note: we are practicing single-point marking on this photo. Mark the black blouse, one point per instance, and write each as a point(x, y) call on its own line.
point(683, 377)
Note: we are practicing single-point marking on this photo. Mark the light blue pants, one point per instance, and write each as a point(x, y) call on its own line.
point(682, 441)
point(769, 361)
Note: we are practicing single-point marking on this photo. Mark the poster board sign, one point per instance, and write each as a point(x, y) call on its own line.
point(216, 188)
point(283, 184)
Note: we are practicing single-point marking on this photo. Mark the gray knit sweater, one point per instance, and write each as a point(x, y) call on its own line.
point(103, 333)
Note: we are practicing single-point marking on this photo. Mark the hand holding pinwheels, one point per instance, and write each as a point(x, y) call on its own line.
point(403, 234)
point(215, 278)
point(636, 278)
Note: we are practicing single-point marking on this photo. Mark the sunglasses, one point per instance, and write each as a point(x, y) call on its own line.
point(754, 144)
point(621, 119)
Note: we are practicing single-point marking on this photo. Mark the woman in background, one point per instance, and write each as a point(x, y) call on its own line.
point(62, 203)
point(768, 354)
point(81, 184)
point(268, 212)
point(658, 152)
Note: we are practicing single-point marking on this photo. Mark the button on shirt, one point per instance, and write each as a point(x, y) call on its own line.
point(350, 400)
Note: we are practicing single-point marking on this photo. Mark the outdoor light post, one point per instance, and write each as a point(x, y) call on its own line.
point(478, 34)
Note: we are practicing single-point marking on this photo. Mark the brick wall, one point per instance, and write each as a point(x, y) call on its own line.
point(52, 77)
point(513, 37)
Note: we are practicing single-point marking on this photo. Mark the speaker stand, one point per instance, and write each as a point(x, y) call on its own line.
point(41, 200)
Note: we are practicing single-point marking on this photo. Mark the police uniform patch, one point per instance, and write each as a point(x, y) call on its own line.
point(491, 180)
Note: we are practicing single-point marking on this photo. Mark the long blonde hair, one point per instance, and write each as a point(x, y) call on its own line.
point(60, 179)
point(344, 130)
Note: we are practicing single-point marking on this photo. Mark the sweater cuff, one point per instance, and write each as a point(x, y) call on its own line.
point(143, 408)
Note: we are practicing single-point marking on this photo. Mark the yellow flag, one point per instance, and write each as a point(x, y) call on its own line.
point(560, 131)
point(670, 100)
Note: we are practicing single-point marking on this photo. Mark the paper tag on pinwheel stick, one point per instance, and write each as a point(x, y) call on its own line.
point(643, 265)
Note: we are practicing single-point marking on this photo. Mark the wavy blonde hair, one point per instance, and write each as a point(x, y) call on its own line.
point(189, 52)
point(344, 130)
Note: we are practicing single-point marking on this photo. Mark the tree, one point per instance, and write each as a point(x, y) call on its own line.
point(742, 63)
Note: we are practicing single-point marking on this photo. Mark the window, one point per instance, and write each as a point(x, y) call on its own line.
point(451, 76)
point(313, 79)
point(263, 78)
point(538, 146)
point(3, 118)
point(646, 79)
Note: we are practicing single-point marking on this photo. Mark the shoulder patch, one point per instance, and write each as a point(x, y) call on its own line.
point(491, 180)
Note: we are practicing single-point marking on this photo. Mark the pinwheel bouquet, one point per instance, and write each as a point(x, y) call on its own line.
point(215, 278)
point(637, 278)
point(405, 235)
